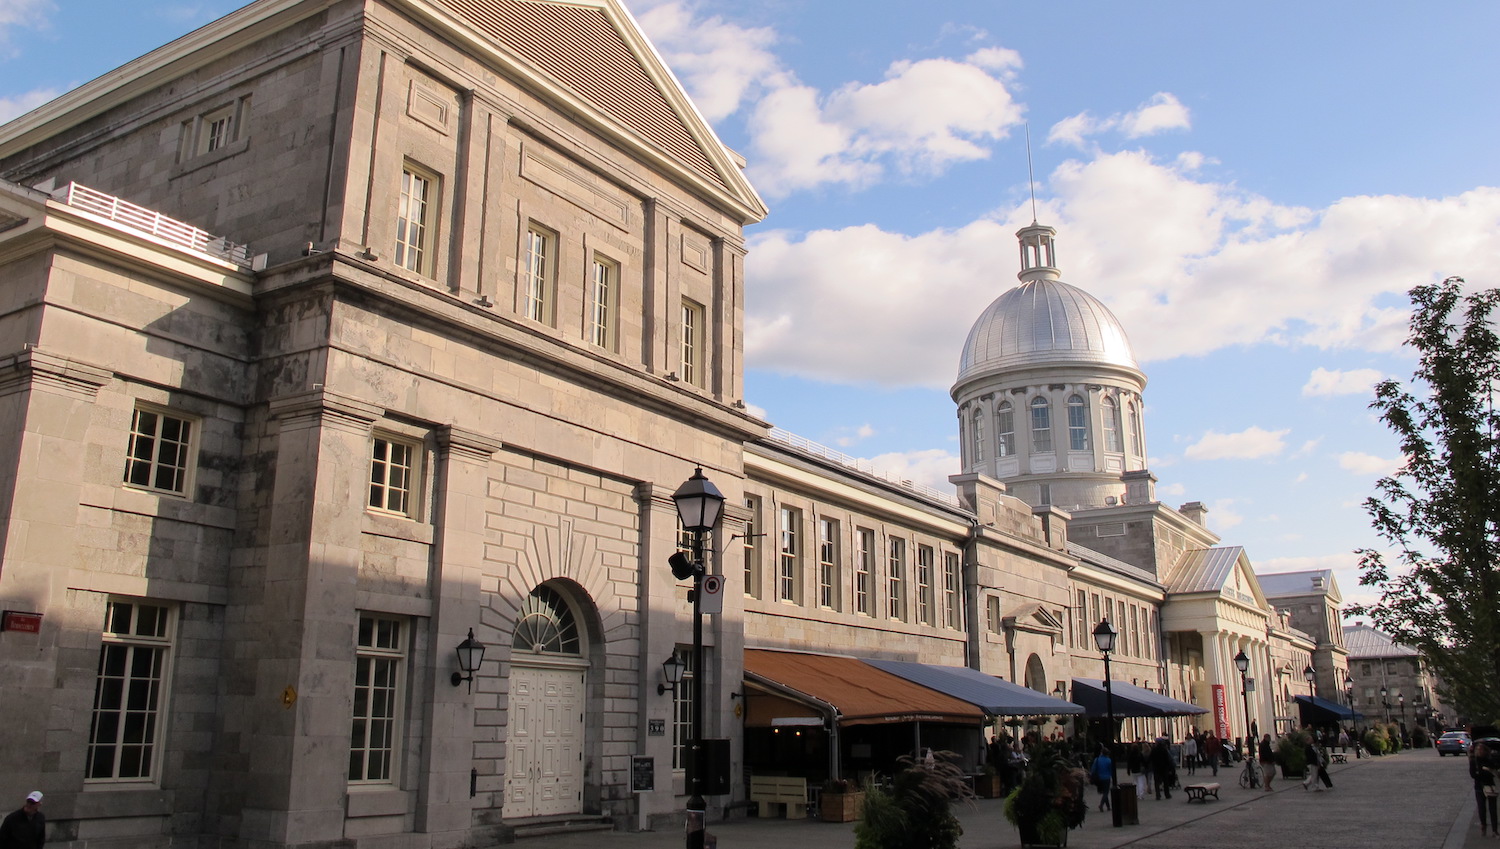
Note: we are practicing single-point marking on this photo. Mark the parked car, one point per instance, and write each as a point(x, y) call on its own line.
point(1453, 743)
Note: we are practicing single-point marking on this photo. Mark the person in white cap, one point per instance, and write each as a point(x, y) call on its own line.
point(27, 827)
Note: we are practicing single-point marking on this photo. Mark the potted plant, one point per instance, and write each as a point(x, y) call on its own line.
point(840, 801)
point(1049, 800)
point(1291, 753)
point(916, 812)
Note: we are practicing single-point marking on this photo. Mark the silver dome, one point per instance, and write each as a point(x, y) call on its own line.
point(1044, 322)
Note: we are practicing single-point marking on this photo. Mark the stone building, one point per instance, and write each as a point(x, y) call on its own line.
point(1392, 683)
point(341, 332)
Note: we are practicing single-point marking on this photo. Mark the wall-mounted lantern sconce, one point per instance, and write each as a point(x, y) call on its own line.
point(470, 655)
point(671, 669)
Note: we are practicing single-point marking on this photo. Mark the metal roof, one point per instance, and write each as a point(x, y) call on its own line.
point(1364, 641)
point(1044, 322)
point(1297, 583)
point(1204, 570)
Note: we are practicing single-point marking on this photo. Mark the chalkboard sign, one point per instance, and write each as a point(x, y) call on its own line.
point(642, 774)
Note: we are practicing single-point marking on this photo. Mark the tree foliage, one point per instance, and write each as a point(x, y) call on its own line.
point(1439, 587)
point(917, 811)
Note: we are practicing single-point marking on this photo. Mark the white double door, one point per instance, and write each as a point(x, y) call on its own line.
point(544, 748)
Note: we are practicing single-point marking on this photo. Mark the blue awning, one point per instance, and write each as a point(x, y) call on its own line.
point(1315, 709)
point(1129, 700)
point(994, 696)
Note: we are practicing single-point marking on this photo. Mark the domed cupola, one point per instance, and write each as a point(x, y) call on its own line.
point(1048, 389)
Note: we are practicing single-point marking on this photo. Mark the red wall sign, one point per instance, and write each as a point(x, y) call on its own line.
point(1221, 712)
point(26, 623)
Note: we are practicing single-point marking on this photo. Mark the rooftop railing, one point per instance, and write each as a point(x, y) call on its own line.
point(130, 216)
point(857, 464)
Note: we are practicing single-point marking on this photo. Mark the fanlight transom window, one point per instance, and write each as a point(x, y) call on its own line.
point(547, 625)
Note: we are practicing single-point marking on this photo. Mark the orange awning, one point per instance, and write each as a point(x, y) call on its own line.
point(862, 694)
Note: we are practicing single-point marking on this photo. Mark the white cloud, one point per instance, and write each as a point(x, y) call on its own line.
point(1171, 490)
point(1161, 113)
point(1249, 444)
point(849, 436)
point(927, 467)
point(1332, 382)
point(11, 107)
point(1223, 516)
point(15, 14)
point(1360, 463)
point(862, 304)
point(720, 63)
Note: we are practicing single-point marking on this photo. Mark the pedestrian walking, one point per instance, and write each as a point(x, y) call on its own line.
point(1317, 767)
point(25, 828)
point(1267, 761)
point(1160, 761)
point(1213, 748)
point(1102, 773)
point(1481, 769)
point(1190, 754)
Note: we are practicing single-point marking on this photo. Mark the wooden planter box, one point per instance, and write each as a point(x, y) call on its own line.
point(840, 807)
point(987, 786)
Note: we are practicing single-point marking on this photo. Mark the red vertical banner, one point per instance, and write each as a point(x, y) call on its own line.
point(1221, 712)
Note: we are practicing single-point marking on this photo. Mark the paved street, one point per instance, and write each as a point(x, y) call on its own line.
point(1415, 800)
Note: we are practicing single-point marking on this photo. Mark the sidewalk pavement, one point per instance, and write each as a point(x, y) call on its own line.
point(1407, 801)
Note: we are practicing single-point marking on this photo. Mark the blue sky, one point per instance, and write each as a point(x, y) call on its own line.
point(1251, 188)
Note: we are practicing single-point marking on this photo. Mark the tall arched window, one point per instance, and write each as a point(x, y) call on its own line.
point(1078, 423)
point(547, 625)
point(978, 434)
point(1111, 413)
point(1135, 430)
point(1005, 425)
point(1041, 425)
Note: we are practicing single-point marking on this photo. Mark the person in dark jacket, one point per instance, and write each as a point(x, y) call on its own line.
point(1484, 788)
point(1267, 761)
point(1160, 761)
point(25, 828)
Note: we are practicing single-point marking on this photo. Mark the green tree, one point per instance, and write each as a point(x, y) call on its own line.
point(1440, 588)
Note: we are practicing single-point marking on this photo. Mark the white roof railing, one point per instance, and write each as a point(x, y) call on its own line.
point(130, 216)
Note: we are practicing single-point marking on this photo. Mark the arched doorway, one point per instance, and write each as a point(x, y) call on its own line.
point(545, 735)
point(1036, 674)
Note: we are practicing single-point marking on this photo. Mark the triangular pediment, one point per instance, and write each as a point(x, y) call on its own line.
point(592, 53)
point(1032, 617)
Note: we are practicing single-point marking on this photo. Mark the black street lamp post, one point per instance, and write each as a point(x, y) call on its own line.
point(1385, 704)
point(1104, 638)
point(1401, 699)
point(1354, 715)
point(699, 504)
point(1242, 663)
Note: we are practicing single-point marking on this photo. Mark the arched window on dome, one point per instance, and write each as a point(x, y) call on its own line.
point(978, 435)
point(1078, 423)
point(1005, 427)
point(1041, 425)
point(1111, 415)
point(1135, 430)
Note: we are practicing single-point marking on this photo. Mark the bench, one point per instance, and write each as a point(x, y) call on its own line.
point(1338, 757)
point(788, 791)
point(1201, 792)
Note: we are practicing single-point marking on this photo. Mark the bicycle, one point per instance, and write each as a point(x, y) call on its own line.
point(1250, 778)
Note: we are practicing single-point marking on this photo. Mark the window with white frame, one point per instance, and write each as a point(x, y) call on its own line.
point(682, 709)
point(828, 563)
point(1041, 425)
point(864, 570)
point(216, 130)
point(159, 455)
point(692, 343)
point(538, 277)
point(992, 618)
point(604, 279)
point(1005, 426)
point(787, 572)
point(896, 580)
point(1111, 415)
point(1078, 423)
point(1081, 617)
point(393, 473)
point(415, 213)
point(952, 597)
point(379, 670)
point(130, 692)
point(752, 546)
point(925, 556)
point(1135, 630)
point(978, 424)
point(1136, 447)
